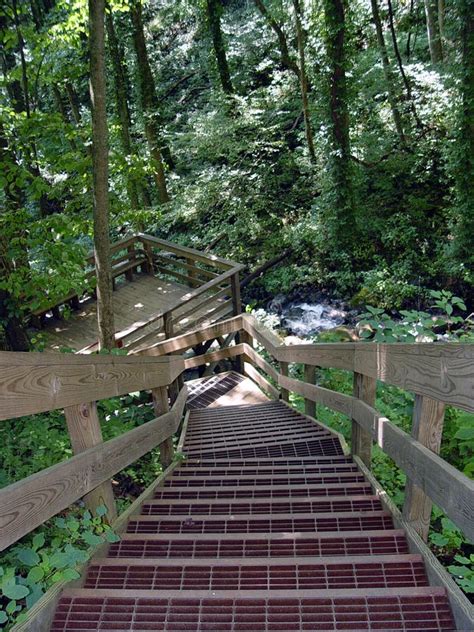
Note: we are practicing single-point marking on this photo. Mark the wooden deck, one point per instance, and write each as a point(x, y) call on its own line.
point(267, 525)
point(134, 302)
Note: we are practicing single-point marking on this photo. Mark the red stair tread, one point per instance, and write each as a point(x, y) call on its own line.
point(266, 526)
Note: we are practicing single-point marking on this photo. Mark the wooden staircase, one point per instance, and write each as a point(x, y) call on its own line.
point(266, 525)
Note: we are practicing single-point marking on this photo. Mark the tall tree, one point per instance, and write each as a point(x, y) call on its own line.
point(464, 242)
point(121, 100)
point(340, 152)
point(301, 41)
point(214, 12)
point(434, 32)
point(100, 174)
point(389, 79)
point(149, 101)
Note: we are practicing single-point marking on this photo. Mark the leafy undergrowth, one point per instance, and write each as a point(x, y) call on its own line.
point(55, 551)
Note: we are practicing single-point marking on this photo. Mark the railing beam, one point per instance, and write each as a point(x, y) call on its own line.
point(161, 406)
point(427, 428)
point(364, 388)
point(84, 431)
point(310, 378)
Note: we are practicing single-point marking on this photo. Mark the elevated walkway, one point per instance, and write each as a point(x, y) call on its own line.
point(267, 525)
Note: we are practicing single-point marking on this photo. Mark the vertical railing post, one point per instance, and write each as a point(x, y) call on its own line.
point(192, 273)
point(285, 394)
point(85, 432)
point(365, 389)
point(427, 428)
point(161, 406)
point(129, 272)
point(149, 258)
point(310, 378)
point(235, 289)
point(168, 324)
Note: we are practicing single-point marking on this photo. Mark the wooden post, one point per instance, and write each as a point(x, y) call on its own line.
point(129, 273)
point(161, 406)
point(84, 430)
point(148, 264)
point(168, 324)
point(235, 289)
point(192, 274)
point(365, 389)
point(310, 378)
point(427, 428)
point(285, 394)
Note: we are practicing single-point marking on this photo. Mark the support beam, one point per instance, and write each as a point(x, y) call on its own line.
point(161, 406)
point(365, 389)
point(427, 428)
point(285, 394)
point(309, 377)
point(84, 430)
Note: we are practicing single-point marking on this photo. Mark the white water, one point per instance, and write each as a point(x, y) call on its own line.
point(306, 319)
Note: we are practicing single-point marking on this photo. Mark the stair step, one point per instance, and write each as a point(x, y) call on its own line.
point(330, 543)
point(313, 447)
point(263, 523)
point(254, 506)
point(423, 608)
point(248, 492)
point(274, 462)
point(246, 574)
point(293, 479)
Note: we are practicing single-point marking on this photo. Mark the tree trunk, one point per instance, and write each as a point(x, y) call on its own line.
point(214, 11)
point(300, 37)
point(406, 81)
point(149, 101)
point(340, 154)
point(465, 150)
point(432, 26)
point(392, 98)
point(286, 59)
point(100, 167)
point(121, 100)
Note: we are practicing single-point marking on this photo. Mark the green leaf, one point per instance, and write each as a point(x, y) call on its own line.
point(11, 607)
point(91, 539)
point(15, 591)
point(28, 557)
point(3, 616)
point(69, 574)
point(35, 575)
point(101, 510)
point(111, 536)
point(35, 594)
point(465, 433)
point(38, 541)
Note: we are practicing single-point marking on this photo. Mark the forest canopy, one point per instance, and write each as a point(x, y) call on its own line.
point(341, 133)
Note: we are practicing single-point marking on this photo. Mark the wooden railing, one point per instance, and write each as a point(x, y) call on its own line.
point(437, 373)
point(38, 382)
point(213, 282)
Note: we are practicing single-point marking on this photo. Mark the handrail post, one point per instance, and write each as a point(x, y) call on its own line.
point(168, 324)
point(161, 406)
point(131, 255)
point(365, 389)
point(285, 394)
point(427, 428)
point(85, 432)
point(194, 282)
point(235, 289)
point(309, 377)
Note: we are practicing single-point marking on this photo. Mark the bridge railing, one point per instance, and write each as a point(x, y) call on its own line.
point(437, 373)
point(32, 383)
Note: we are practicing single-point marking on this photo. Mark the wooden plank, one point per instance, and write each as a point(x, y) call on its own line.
point(235, 290)
point(364, 388)
point(37, 382)
point(28, 503)
point(427, 428)
point(463, 610)
point(451, 490)
point(264, 384)
point(208, 300)
point(440, 371)
point(179, 275)
point(337, 401)
point(213, 356)
point(192, 338)
point(188, 265)
point(266, 338)
point(184, 251)
point(257, 360)
point(334, 355)
point(84, 431)
point(161, 406)
point(309, 378)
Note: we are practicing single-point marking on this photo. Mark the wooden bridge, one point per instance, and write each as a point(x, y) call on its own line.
point(268, 523)
point(160, 289)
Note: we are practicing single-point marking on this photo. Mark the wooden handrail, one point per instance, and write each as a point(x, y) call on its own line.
point(28, 503)
point(442, 371)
